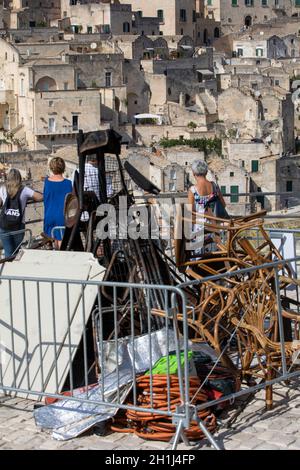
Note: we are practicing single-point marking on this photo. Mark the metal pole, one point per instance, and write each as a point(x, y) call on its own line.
point(280, 323)
point(207, 433)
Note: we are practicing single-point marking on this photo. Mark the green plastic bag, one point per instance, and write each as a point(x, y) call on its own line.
point(161, 366)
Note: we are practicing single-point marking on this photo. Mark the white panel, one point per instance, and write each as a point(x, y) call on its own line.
point(28, 346)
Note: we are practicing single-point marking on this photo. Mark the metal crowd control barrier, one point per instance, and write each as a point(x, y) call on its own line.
point(59, 229)
point(18, 232)
point(285, 374)
point(45, 341)
point(47, 327)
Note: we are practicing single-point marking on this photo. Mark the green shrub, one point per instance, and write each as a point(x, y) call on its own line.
point(205, 145)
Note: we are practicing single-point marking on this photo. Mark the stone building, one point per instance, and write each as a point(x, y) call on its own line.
point(288, 180)
point(257, 123)
point(168, 176)
point(31, 13)
point(237, 14)
point(105, 18)
point(135, 47)
point(176, 17)
point(167, 87)
point(292, 43)
point(259, 46)
point(233, 179)
point(50, 91)
point(207, 31)
point(97, 17)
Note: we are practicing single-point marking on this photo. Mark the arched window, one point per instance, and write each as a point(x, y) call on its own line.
point(22, 87)
point(126, 27)
point(46, 84)
point(217, 33)
point(248, 21)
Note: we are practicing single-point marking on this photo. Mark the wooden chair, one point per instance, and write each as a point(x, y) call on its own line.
point(252, 309)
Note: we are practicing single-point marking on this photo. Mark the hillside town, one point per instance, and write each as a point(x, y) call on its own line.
point(175, 90)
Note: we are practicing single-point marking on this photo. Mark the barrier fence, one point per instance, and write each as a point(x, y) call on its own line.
point(50, 329)
point(268, 359)
point(46, 337)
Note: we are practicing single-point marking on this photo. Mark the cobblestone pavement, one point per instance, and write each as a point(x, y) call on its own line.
point(252, 428)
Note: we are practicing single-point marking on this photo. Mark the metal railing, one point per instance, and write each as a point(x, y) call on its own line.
point(47, 327)
point(45, 341)
point(284, 372)
point(27, 242)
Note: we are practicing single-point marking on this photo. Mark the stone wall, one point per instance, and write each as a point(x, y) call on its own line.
point(32, 163)
point(148, 134)
point(288, 170)
point(92, 69)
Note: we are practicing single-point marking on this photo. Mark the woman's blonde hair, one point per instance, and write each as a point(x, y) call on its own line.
point(13, 182)
point(57, 165)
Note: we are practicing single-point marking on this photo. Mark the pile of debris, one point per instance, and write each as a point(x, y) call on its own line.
point(242, 305)
point(233, 310)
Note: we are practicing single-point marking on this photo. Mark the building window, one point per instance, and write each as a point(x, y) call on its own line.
point(234, 3)
point(231, 174)
point(223, 189)
point(90, 29)
point(182, 15)
point(50, 104)
point(22, 88)
point(277, 82)
point(194, 16)
point(254, 166)
point(249, 3)
point(216, 32)
point(234, 191)
point(160, 15)
point(105, 29)
point(66, 85)
point(264, 3)
point(126, 27)
point(173, 174)
point(259, 52)
point(51, 124)
point(240, 52)
point(172, 186)
point(75, 120)
point(108, 79)
point(289, 186)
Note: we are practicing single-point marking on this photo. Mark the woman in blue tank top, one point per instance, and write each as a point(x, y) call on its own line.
point(55, 190)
